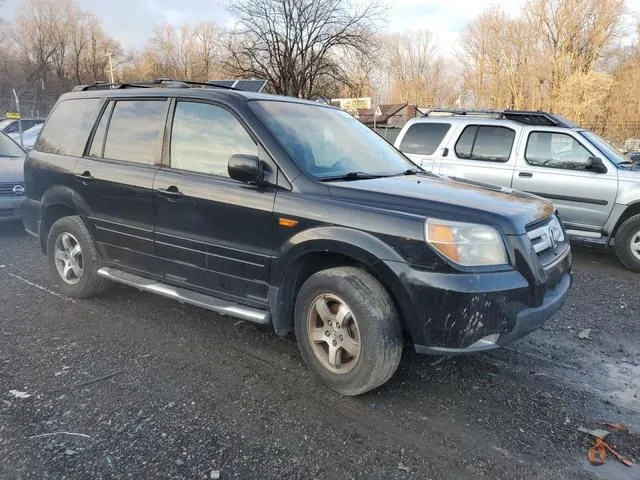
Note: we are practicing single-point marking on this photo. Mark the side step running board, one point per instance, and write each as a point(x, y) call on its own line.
point(223, 307)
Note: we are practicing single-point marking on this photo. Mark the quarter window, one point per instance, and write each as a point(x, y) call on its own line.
point(556, 150)
point(68, 127)
point(205, 136)
point(423, 138)
point(135, 131)
point(486, 143)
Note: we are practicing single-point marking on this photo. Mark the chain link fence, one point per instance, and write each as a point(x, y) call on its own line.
point(30, 105)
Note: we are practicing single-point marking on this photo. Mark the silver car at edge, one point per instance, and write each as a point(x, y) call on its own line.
point(594, 187)
point(11, 178)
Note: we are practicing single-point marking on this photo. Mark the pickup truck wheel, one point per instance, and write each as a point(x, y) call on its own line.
point(73, 258)
point(628, 243)
point(348, 330)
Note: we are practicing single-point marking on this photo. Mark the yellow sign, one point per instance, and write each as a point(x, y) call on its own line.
point(12, 116)
point(352, 104)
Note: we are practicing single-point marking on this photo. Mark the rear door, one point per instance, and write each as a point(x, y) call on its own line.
point(483, 152)
point(421, 142)
point(212, 233)
point(553, 165)
point(115, 179)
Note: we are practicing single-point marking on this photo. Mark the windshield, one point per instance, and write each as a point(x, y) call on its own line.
point(330, 143)
point(8, 148)
point(608, 150)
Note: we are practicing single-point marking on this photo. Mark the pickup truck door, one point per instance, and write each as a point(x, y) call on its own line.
point(422, 141)
point(553, 165)
point(483, 153)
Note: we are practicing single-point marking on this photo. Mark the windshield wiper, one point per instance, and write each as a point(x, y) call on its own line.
point(351, 176)
point(410, 171)
point(626, 162)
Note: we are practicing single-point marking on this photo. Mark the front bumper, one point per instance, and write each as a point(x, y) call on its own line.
point(462, 313)
point(10, 208)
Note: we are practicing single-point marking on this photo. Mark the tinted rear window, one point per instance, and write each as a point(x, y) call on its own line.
point(423, 138)
point(485, 142)
point(135, 130)
point(68, 127)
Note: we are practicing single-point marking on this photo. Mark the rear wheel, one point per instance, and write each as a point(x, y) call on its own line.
point(73, 258)
point(348, 330)
point(628, 243)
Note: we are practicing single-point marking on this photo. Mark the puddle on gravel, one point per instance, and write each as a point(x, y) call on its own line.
point(612, 470)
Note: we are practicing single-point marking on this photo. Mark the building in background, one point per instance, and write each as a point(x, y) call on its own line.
point(387, 120)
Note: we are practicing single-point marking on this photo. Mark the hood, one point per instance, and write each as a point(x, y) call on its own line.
point(11, 169)
point(449, 199)
point(629, 172)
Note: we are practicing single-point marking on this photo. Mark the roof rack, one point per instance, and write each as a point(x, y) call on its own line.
point(171, 83)
point(528, 117)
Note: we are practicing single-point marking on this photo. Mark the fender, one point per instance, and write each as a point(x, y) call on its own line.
point(357, 245)
point(64, 196)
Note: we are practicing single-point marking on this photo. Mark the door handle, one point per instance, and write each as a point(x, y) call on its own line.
point(445, 151)
point(172, 193)
point(525, 174)
point(85, 177)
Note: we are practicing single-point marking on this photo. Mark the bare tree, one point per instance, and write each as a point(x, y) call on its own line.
point(295, 44)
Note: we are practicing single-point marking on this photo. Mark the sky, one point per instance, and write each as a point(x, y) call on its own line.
point(131, 21)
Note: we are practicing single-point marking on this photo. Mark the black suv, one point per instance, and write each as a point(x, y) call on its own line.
point(290, 214)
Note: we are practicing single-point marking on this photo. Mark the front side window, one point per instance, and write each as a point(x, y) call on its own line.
point(135, 131)
point(486, 143)
point(328, 143)
point(556, 150)
point(423, 138)
point(68, 127)
point(205, 136)
point(9, 148)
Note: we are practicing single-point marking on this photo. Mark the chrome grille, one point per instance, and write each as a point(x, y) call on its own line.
point(7, 189)
point(546, 236)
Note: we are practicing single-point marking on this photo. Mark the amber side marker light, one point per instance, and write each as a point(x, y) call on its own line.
point(287, 222)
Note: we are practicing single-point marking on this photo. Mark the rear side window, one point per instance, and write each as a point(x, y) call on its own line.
point(135, 131)
point(485, 142)
point(424, 138)
point(68, 127)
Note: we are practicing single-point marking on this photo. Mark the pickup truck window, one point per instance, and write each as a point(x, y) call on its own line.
point(423, 138)
point(134, 130)
point(556, 150)
point(485, 143)
point(68, 127)
point(329, 143)
point(204, 136)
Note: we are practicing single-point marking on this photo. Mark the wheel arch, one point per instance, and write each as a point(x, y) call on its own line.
point(631, 210)
point(57, 202)
point(321, 249)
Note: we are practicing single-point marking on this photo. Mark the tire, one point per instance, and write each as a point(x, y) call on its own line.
point(628, 243)
point(367, 347)
point(66, 236)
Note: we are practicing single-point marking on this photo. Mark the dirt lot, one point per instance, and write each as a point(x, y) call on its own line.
point(162, 390)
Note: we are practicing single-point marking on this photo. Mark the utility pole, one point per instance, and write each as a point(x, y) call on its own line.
point(108, 55)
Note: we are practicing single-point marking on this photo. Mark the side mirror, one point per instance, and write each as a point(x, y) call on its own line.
point(246, 168)
point(595, 165)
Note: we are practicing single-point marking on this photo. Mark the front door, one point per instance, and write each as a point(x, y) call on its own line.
point(115, 180)
point(554, 165)
point(212, 233)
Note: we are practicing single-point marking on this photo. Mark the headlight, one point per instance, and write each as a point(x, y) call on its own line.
point(467, 244)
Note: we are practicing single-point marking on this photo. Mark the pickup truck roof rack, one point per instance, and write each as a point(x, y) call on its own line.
point(528, 117)
point(252, 85)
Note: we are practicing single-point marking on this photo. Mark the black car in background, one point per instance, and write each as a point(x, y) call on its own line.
point(11, 179)
point(289, 214)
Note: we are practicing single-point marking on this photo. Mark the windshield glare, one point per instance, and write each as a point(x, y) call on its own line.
point(8, 148)
point(329, 143)
point(608, 150)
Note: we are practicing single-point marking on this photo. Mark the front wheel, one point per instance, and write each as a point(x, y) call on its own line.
point(628, 243)
point(73, 258)
point(348, 330)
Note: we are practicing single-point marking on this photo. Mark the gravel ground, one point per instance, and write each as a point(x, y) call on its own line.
point(162, 390)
